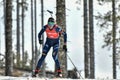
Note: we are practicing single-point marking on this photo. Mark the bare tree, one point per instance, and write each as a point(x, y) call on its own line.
point(114, 38)
point(23, 15)
point(35, 19)
point(32, 37)
point(8, 39)
point(91, 40)
point(61, 21)
point(110, 38)
point(86, 50)
point(42, 24)
point(18, 34)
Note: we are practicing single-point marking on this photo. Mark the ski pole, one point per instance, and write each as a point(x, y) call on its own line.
point(40, 52)
point(40, 48)
point(74, 66)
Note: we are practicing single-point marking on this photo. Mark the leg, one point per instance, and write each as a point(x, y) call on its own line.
point(55, 57)
point(37, 70)
point(46, 48)
point(41, 60)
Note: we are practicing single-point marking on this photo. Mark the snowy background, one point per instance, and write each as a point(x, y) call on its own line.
point(74, 19)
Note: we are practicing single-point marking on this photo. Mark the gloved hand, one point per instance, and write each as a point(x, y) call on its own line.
point(40, 41)
point(65, 48)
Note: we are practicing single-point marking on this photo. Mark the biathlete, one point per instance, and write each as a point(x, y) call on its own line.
point(53, 33)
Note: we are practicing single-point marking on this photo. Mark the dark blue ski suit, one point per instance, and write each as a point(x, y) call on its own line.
point(52, 40)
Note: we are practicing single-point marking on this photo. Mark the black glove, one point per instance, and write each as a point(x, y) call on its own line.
point(65, 48)
point(40, 41)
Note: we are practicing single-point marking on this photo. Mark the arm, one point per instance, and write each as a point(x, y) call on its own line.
point(63, 33)
point(65, 41)
point(41, 32)
point(65, 37)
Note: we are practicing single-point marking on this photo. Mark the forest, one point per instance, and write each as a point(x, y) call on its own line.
point(92, 28)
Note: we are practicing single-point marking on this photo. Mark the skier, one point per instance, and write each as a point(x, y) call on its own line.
point(53, 33)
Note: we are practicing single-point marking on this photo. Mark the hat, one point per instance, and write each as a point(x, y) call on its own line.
point(51, 19)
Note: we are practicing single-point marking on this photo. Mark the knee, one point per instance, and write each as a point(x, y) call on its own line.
point(54, 55)
point(55, 52)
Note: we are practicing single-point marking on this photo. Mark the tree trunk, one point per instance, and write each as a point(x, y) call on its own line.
point(91, 36)
point(42, 24)
point(8, 39)
point(32, 37)
point(114, 37)
point(18, 35)
point(86, 51)
point(35, 19)
point(23, 3)
point(61, 21)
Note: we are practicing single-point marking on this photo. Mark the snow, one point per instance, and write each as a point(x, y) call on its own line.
point(38, 78)
point(30, 78)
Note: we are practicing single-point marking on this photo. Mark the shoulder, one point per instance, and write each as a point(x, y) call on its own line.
point(44, 27)
point(58, 28)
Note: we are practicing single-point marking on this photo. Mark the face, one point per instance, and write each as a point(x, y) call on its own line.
point(51, 24)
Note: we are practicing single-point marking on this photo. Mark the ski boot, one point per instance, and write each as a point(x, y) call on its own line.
point(59, 73)
point(36, 72)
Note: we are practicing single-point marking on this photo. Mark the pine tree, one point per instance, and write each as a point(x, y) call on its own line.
point(8, 39)
point(91, 40)
point(18, 35)
point(61, 21)
point(114, 38)
point(86, 52)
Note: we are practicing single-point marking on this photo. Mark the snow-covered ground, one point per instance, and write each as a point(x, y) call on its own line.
point(30, 78)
